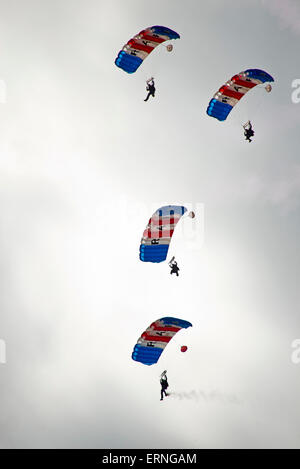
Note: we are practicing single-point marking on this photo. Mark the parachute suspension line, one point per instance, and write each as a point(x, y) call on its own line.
point(156, 66)
point(260, 93)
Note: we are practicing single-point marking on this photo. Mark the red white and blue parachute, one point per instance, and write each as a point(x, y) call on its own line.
point(233, 90)
point(141, 45)
point(158, 233)
point(155, 338)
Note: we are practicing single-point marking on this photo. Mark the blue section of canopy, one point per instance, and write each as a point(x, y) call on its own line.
point(165, 32)
point(155, 253)
point(218, 110)
point(168, 321)
point(129, 63)
point(258, 74)
point(167, 209)
point(146, 355)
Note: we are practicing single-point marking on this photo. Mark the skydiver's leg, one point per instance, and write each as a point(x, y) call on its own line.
point(161, 395)
point(148, 96)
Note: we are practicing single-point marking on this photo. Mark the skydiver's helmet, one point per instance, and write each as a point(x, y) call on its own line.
point(169, 47)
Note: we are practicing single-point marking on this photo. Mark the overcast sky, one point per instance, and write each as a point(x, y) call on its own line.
point(84, 162)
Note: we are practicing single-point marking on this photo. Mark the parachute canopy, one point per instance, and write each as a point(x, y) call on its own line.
point(141, 45)
point(158, 233)
point(156, 337)
point(233, 90)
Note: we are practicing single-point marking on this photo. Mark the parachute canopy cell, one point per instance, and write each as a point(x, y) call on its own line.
point(155, 338)
point(141, 45)
point(233, 90)
point(158, 233)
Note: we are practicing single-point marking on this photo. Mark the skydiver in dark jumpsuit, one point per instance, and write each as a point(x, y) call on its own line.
point(164, 385)
point(151, 89)
point(248, 131)
point(174, 268)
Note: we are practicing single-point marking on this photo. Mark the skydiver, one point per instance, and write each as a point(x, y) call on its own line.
point(248, 131)
point(150, 88)
point(164, 385)
point(174, 268)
